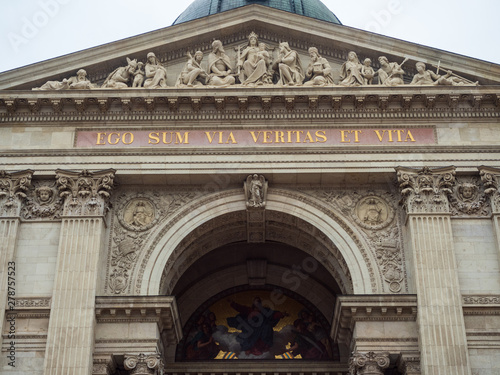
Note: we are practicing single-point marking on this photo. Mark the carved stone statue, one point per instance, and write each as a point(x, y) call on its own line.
point(288, 66)
point(120, 77)
point(350, 73)
point(253, 63)
point(428, 77)
point(78, 82)
point(138, 75)
point(319, 71)
point(367, 71)
point(390, 73)
point(255, 191)
point(156, 74)
point(219, 66)
point(193, 74)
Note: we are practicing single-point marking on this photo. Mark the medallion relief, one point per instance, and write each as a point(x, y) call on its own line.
point(139, 214)
point(373, 212)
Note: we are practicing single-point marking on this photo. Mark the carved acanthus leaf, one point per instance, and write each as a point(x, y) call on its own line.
point(85, 193)
point(491, 180)
point(13, 190)
point(426, 190)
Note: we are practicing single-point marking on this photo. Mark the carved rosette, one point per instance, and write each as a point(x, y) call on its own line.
point(13, 191)
point(491, 180)
point(370, 363)
point(469, 199)
point(43, 202)
point(85, 193)
point(143, 364)
point(426, 190)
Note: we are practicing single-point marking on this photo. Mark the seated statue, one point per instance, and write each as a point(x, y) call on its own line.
point(253, 63)
point(350, 72)
point(390, 74)
point(319, 71)
point(120, 77)
point(288, 66)
point(78, 82)
point(219, 66)
point(193, 74)
point(428, 77)
point(156, 74)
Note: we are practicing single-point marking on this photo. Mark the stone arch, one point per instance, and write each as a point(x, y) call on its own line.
point(164, 248)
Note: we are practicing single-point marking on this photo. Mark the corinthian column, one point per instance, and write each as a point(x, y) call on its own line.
point(70, 336)
point(443, 342)
point(491, 180)
point(370, 363)
point(13, 187)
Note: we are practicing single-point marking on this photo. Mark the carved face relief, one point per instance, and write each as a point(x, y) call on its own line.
point(372, 211)
point(44, 195)
point(139, 214)
point(467, 191)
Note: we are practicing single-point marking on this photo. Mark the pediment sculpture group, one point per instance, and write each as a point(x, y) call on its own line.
point(255, 66)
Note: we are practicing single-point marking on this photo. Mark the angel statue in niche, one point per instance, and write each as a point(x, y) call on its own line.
point(255, 191)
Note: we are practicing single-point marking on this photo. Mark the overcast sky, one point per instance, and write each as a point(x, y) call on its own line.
point(37, 30)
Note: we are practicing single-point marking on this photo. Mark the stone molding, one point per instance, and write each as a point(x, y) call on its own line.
point(426, 191)
point(28, 303)
point(481, 299)
point(314, 103)
point(162, 310)
point(376, 308)
point(85, 193)
point(14, 187)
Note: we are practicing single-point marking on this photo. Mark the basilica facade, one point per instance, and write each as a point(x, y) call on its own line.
point(254, 189)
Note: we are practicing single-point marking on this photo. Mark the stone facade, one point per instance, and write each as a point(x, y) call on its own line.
point(131, 208)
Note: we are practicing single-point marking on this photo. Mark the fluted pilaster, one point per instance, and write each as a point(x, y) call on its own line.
point(70, 336)
point(443, 342)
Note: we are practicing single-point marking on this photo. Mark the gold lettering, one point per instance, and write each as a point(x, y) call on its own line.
point(131, 138)
point(255, 138)
point(165, 138)
point(267, 136)
point(389, 133)
point(343, 136)
point(231, 138)
point(220, 137)
point(322, 135)
point(210, 137)
point(154, 136)
point(100, 139)
point(180, 139)
point(289, 136)
point(298, 132)
point(280, 137)
point(308, 138)
point(116, 140)
point(409, 135)
point(380, 137)
point(356, 135)
point(399, 135)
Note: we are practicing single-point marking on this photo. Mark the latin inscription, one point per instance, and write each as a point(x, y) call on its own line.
point(253, 138)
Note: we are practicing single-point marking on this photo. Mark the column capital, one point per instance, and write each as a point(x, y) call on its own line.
point(143, 364)
point(85, 193)
point(103, 365)
point(13, 189)
point(409, 363)
point(426, 190)
point(370, 363)
point(491, 180)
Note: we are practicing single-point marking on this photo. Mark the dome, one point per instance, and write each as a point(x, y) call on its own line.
point(309, 8)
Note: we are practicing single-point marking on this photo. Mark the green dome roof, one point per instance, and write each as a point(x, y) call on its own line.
point(309, 8)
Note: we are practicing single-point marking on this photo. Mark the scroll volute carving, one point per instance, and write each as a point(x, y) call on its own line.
point(370, 363)
point(491, 180)
point(85, 193)
point(144, 364)
point(426, 190)
point(13, 190)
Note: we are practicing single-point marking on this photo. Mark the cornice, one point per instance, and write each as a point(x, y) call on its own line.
point(275, 103)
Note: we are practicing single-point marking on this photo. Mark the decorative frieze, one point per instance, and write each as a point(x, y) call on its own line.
point(426, 190)
point(14, 187)
point(43, 202)
point(85, 193)
point(469, 199)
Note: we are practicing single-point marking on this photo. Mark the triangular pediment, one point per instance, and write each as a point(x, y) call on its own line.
point(171, 45)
